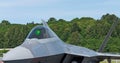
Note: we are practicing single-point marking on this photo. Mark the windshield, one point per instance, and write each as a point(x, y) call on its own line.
point(39, 32)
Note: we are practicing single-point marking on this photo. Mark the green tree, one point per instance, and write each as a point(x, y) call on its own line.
point(52, 19)
point(75, 28)
point(109, 18)
point(5, 22)
point(75, 38)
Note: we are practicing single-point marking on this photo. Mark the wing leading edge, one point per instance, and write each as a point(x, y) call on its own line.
point(81, 51)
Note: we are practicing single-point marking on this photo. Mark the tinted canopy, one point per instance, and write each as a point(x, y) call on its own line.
point(39, 32)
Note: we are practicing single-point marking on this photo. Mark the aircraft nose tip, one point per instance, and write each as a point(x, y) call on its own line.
point(17, 53)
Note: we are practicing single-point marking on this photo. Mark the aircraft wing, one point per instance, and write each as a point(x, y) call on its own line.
point(108, 56)
point(81, 51)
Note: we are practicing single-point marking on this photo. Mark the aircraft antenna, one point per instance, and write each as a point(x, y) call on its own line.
point(44, 23)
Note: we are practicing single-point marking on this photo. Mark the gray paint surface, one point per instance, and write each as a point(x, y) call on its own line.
point(52, 48)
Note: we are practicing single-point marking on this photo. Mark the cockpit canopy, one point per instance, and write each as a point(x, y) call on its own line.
point(39, 32)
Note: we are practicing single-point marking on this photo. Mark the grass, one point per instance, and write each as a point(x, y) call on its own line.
point(3, 51)
point(113, 61)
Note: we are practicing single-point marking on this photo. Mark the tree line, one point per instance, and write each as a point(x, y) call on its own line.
point(86, 31)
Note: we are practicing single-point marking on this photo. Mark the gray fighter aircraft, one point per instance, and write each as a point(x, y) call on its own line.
point(42, 45)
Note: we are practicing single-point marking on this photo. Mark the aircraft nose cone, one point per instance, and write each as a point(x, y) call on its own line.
point(17, 53)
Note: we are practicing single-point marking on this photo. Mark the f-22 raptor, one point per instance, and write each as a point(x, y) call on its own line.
point(42, 45)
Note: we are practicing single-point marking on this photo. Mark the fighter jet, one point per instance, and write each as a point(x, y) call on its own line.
point(42, 45)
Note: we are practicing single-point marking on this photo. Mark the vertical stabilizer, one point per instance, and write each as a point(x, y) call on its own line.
point(101, 48)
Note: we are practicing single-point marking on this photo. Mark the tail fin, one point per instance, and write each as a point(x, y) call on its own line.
point(101, 48)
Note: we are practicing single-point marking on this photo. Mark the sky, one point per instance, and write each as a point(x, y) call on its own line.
point(25, 11)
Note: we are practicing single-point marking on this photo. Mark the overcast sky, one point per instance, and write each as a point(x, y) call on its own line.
point(23, 11)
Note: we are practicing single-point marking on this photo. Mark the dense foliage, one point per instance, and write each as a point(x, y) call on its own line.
point(85, 31)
